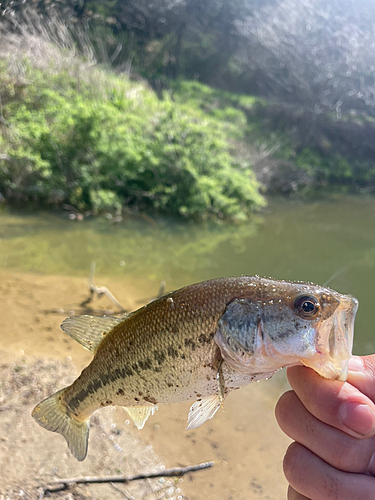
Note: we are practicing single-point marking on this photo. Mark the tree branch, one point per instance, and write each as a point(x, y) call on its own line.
point(63, 484)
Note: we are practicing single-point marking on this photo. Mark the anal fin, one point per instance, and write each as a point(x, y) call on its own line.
point(203, 410)
point(139, 414)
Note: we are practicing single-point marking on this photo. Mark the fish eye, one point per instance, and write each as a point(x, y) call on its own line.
point(306, 306)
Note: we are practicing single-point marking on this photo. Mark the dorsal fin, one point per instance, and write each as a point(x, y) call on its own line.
point(139, 414)
point(89, 331)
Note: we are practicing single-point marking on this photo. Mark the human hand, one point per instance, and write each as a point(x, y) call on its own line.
point(333, 425)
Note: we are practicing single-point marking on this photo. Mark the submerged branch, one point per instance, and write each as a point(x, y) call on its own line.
point(63, 484)
point(99, 291)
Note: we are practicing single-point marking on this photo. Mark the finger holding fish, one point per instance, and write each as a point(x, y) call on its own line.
point(314, 479)
point(338, 404)
point(341, 463)
point(337, 448)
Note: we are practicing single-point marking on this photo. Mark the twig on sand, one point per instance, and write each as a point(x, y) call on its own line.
point(99, 290)
point(103, 290)
point(64, 484)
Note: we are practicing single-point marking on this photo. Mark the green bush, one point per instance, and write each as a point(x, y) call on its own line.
point(68, 139)
point(334, 169)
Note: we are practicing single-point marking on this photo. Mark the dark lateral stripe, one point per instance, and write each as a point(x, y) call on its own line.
point(96, 384)
point(153, 363)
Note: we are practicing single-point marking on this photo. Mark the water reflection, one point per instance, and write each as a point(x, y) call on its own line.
point(168, 249)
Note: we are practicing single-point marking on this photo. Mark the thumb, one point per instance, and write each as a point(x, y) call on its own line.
point(362, 374)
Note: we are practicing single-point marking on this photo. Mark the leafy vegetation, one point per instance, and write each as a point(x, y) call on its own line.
point(67, 140)
point(302, 154)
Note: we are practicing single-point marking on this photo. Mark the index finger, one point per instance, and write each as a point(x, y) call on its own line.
point(336, 403)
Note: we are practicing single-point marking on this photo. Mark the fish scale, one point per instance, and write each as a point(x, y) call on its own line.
point(199, 343)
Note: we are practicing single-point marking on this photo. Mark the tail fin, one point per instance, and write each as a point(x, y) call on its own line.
point(53, 415)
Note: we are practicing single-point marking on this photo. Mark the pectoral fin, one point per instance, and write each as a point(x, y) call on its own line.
point(203, 410)
point(139, 414)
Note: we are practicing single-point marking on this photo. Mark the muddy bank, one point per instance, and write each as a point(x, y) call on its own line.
point(37, 359)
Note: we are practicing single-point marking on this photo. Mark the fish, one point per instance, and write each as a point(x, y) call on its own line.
point(200, 343)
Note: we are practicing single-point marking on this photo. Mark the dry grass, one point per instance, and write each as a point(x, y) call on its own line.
point(44, 39)
point(50, 45)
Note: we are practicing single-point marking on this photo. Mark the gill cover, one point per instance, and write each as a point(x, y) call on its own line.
point(241, 340)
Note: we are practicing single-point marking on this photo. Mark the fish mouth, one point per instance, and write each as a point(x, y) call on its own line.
point(334, 341)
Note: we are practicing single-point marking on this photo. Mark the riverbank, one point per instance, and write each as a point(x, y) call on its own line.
point(36, 358)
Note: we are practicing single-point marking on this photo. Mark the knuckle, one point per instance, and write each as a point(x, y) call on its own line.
point(292, 464)
point(284, 406)
point(325, 405)
point(370, 363)
point(346, 458)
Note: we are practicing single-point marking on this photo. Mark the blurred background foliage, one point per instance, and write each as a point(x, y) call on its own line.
point(186, 107)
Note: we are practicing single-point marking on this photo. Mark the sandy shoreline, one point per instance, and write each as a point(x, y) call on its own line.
point(244, 440)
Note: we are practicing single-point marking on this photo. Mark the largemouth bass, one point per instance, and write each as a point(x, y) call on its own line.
point(199, 343)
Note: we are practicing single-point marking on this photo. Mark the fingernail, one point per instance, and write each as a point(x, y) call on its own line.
point(359, 418)
point(355, 364)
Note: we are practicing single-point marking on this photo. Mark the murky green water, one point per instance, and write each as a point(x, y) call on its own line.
point(292, 241)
